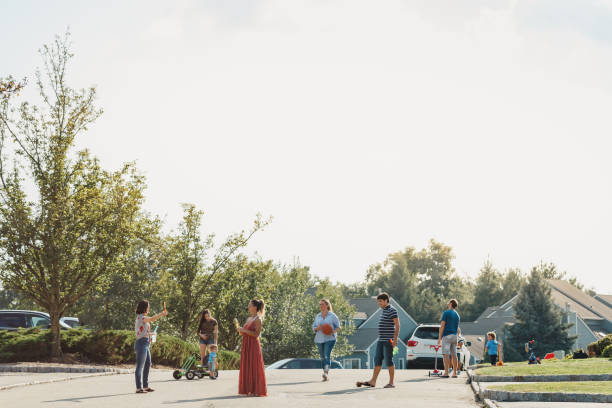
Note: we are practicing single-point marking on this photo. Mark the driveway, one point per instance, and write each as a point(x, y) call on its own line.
point(286, 388)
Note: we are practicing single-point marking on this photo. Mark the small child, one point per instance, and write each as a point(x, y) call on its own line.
point(492, 348)
point(460, 343)
point(212, 361)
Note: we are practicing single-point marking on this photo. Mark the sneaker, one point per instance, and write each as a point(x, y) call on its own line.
point(325, 378)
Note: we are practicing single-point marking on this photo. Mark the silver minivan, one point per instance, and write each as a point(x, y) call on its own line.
point(17, 319)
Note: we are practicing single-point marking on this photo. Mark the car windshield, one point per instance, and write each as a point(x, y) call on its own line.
point(277, 364)
point(427, 333)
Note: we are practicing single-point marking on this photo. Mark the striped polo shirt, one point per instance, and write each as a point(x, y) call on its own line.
point(386, 327)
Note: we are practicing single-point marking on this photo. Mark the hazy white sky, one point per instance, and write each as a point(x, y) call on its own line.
point(363, 127)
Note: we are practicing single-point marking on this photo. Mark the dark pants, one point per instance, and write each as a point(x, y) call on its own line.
point(493, 358)
point(143, 362)
point(325, 350)
point(384, 351)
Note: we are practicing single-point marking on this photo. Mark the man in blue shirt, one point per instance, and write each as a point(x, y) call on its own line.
point(447, 337)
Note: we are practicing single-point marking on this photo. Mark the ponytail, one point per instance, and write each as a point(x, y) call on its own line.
point(260, 306)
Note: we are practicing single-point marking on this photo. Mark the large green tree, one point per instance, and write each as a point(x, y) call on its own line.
point(421, 281)
point(72, 230)
point(191, 267)
point(537, 317)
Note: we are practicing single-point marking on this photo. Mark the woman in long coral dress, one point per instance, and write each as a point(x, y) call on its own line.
point(252, 379)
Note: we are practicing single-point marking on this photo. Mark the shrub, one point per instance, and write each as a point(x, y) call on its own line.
point(105, 346)
point(596, 348)
point(607, 352)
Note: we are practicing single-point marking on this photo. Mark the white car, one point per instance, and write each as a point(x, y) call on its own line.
point(419, 350)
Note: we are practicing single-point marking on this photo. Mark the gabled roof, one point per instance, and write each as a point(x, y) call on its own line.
point(362, 339)
point(477, 345)
point(481, 327)
point(579, 301)
point(367, 306)
point(605, 299)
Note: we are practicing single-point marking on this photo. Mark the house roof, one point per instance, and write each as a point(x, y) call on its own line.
point(369, 306)
point(606, 299)
point(586, 306)
point(477, 345)
point(363, 338)
point(481, 327)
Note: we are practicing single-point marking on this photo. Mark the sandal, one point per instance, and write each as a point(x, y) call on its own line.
point(364, 383)
point(140, 391)
point(148, 389)
point(445, 376)
point(389, 386)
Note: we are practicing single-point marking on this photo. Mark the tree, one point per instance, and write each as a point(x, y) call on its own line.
point(137, 277)
point(9, 86)
point(59, 243)
point(421, 281)
point(190, 273)
point(549, 271)
point(537, 318)
point(488, 290)
point(513, 280)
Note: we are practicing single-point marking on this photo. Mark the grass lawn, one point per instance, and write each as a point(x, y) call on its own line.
point(551, 367)
point(578, 387)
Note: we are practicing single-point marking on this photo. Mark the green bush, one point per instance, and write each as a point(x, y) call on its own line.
point(607, 352)
point(596, 348)
point(105, 347)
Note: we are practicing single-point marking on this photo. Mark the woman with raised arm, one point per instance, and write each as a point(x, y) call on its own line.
point(142, 327)
point(252, 379)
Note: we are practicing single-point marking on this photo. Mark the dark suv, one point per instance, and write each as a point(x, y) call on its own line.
point(16, 319)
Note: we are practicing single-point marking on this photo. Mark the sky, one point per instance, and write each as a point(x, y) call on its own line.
point(362, 127)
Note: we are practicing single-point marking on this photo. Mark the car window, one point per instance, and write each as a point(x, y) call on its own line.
point(311, 364)
point(292, 364)
point(427, 333)
point(72, 323)
point(12, 320)
point(38, 321)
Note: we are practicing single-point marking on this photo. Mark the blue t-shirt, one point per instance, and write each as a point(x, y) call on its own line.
point(451, 317)
point(211, 356)
point(492, 347)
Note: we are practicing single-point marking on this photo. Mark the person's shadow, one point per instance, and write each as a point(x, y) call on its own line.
point(80, 399)
point(345, 391)
point(227, 397)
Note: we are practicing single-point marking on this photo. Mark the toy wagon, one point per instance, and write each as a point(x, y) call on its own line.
point(192, 369)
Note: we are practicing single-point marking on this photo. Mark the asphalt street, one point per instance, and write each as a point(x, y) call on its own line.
point(286, 388)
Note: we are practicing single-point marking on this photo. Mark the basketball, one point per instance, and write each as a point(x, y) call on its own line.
point(327, 329)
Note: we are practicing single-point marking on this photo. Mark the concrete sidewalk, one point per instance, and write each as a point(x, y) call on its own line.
point(286, 388)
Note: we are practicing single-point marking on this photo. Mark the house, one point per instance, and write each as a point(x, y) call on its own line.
point(365, 337)
point(591, 317)
point(492, 319)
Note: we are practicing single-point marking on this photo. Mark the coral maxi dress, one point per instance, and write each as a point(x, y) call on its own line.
point(252, 376)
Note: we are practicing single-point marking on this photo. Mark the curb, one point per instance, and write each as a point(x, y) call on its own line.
point(8, 387)
point(475, 386)
point(490, 404)
point(543, 378)
point(62, 369)
point(546, 396)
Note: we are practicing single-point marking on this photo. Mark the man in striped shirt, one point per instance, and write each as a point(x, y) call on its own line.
point(388, 330)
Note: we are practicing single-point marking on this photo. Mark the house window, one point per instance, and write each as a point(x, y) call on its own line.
point(352, 363)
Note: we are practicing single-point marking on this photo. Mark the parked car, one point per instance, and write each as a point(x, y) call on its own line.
point(301, 363)
point(419, 351)
point(16, 319)
point(71, 321)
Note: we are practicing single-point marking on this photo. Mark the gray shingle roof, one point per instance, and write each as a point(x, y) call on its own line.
point(365, 305)
point(579, 301)
point(363, 338)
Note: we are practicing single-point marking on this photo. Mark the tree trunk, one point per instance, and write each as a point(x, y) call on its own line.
point(56, 337)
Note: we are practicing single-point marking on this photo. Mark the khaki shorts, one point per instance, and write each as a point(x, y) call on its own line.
point(449, 344)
